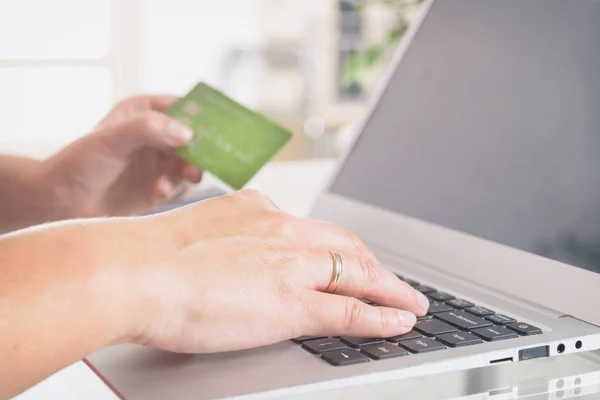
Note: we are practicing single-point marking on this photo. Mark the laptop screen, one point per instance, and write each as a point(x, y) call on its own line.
point(491, 126)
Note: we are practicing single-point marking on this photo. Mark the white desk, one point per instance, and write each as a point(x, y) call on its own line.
point(294, 186)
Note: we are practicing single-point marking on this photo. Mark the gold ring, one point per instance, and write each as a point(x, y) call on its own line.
point(336, 276)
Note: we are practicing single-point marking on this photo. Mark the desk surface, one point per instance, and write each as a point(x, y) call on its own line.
point(294, 187)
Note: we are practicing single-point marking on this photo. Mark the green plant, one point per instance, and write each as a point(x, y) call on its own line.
point(357, 68)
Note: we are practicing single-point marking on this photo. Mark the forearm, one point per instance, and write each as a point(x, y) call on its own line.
point(26, 198)
point(61, 297)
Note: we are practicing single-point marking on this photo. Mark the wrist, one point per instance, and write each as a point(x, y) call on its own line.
point(133, 253)
point(72, 285)
point(99, 271)
point(26, 201)
point(57, 194)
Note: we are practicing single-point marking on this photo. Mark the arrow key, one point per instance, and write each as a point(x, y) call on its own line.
point(383, 351)
point(422, 345)
point(322, 345)
point(344, 357)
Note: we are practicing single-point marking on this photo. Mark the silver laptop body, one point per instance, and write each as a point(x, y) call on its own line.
point(477, 173)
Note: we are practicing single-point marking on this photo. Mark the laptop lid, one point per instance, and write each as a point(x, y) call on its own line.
point(482, 153)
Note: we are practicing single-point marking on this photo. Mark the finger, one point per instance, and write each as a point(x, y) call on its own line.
point(161, 102)
point(171, 191)
point(191, 173)
point(175, 171)
point(180, 192)
point(150, 129)
point(171, 166)
point(163, 188)
point(364, 278)
point(333, 315)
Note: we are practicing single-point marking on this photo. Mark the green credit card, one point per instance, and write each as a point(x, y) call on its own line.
point(230, 141)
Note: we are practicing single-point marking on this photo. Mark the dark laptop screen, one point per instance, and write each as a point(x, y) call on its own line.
point(491, 126)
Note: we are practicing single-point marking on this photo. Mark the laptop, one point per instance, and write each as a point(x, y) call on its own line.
point(476, 178)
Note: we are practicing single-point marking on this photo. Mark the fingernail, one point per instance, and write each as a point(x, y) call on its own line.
point(180, 132)
point(422, 301)
point(165, 188)
point(407, 319)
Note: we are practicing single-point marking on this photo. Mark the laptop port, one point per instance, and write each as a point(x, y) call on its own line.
point(579, 345)
point(534, 352)
point(502, 360)
point(560, 348)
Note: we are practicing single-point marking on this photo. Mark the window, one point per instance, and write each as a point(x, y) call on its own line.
point(350, 41)
point(60, 67)
point(63, 63)
point(184, 41)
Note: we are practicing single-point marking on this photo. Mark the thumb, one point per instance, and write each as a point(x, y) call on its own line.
point(149, 129)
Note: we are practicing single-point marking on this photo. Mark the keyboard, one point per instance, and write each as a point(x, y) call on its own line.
point(450, 323)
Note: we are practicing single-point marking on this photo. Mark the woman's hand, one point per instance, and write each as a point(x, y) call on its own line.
point(226, 274)
point(236, 272)
point(126, 166)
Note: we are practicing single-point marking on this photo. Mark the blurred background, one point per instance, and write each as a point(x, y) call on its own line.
point(310, 65)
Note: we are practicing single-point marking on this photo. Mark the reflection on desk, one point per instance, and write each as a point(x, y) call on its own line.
point(567, 377)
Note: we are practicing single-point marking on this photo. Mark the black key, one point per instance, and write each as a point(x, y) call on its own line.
point(437, 307)
point(524, 329)
point(411, 282)
point(302, 339)
point(500, 319)
point(462, 320)
point(383, 351)
point(323, 345)
point(425, 318)
point(459, 339)
point(423, 345)
point(344, 357)
point(460, 303)
point(433, 327)
point(441, 296)
point(406, 336)
point(494, 333)
point(424, 289)
point(359, 342)
point(480, 311)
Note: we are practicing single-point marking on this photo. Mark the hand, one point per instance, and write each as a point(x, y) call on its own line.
point(126, 166)
point(236, 272)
